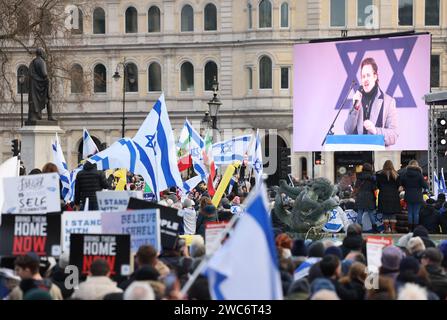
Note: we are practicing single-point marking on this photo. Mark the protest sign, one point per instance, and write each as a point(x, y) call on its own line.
point(170, 221)
point(79, 222)
point(143, 226)
point(213, 232)
point(114, 248)
point(374, 247)
point(32, 194)
point(116, 201)
point(39, 233)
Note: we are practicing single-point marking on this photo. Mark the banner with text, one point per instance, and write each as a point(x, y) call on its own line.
point(116, 201)
point(114, 248)
point(39, 233)
point(79, 222)
point(32, 194)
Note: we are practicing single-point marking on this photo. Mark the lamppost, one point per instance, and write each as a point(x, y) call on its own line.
point(21, 81)
point(214, 104)
point(126, 78)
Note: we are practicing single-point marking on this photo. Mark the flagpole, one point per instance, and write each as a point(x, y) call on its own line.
point(202, 264)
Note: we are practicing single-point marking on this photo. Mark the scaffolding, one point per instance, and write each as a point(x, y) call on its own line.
point(437, 103)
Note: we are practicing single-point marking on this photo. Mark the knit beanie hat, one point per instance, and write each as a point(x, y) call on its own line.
point(391, 258)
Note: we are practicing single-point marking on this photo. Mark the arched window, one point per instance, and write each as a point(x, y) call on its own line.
point(187, 77)
point(131, 20)
point(131, 77)
point(154, 77)
point(210, 73)
point(99, 21)
point(100, 78)
point(265, 14)
point(153, 19)
point(284, 15)
point(77, 78)
point(187, 18)
point(210, 17)
point(77, 27)
point(22, 85)
point(265, 73)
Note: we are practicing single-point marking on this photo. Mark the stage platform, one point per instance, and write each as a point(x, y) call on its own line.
point(340, 236)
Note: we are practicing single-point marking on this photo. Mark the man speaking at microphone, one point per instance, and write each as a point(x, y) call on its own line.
point(373, 112)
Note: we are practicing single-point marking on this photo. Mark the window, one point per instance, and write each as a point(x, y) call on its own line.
point(131, 77)
point(250, 78)
point(187, 18)
point(432, 12)
point(153, 19)
point(77, 78)
point(250, 16)
point(434, 71)
point(265, 14)
point(285, 15)
point(99, 21)
point(210, 17)
point(285, 78)
point(362, 13)
point(154, 79)
point(78, 28)
point(22, 87)
point(210, 73)
point(405, 12)
point(338, 13)
point(265, 73)
point(187, 77)
point(131, 20)
point(100, 78)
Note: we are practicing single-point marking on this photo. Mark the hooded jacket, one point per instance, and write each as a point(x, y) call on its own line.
point(88, 181)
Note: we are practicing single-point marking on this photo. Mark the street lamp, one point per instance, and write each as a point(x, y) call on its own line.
point(131, 80)
point(21, 81)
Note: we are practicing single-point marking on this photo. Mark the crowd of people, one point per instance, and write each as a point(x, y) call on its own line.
point(413, 268)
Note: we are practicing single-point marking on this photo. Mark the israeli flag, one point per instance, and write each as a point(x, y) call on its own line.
point(246, 266)
point(196, 148)
point(303, 269)
point(88, 145)
point(62, 168)
point(436, 185)
point(156, 139)
point(256, 159)
point(442, 186)
point(127, 154)
point(227, 152)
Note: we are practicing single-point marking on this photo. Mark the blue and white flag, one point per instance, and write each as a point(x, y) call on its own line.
point(442, 186)
point(227, 152)
point(196, 146)
point(246, 265)
point(436, 186)
point(88, 145)
point(126, 154)
point(303, 269)
point(62, 168)
point(156, 138)
point(190, 184)
point(256, 159)
point(231, 184)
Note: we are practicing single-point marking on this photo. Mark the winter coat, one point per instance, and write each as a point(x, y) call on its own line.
point(429, 218)
point(438, 279)
point(364, 189)
point(88, 181)
point(95, 288)
point(189, 220)
point(352, 243)
point(413, 182)
point(201, 222)
point(45, 284)
point(389, 202)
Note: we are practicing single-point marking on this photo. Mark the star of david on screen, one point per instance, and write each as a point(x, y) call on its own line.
point(379, 84)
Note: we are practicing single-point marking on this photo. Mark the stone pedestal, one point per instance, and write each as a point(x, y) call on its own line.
point(36, 144)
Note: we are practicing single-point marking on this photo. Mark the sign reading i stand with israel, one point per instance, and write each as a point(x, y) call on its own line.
point(79, 222)
point(32, 194)
point(143, 226)
point(246, 265)
point(116, 201)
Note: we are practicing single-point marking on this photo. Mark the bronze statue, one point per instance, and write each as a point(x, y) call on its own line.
point(39, 89)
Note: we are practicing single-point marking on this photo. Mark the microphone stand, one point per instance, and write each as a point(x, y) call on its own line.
point(330, 132)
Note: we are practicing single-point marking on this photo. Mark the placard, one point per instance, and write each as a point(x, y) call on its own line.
point(79, 222)
point(374, 247)
point(116, 201)
point(213, 233)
